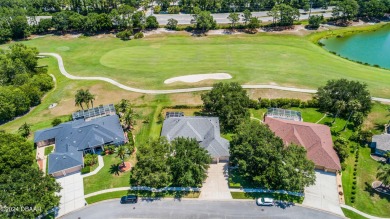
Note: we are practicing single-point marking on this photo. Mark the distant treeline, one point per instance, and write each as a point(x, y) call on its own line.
point(123, 15)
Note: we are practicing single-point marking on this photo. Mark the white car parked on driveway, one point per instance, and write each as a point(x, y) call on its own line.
point(265, 201)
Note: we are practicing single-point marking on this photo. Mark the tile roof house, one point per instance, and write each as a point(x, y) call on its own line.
point(381, 144)
point(205, 130)
point(72, 139)
point(316, 138)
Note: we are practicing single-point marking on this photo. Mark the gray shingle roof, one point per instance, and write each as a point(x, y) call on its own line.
point(382, 142)
point(205, 130)
point(71, 138)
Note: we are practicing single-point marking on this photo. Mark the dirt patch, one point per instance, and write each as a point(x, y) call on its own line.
point(224, 32)
point(272, 94)
point(186, 99)
point(159, 31)
point(103, 95)
point(125, 168)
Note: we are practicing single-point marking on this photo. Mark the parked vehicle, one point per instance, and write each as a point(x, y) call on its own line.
point(129, 199)
point(265, 201)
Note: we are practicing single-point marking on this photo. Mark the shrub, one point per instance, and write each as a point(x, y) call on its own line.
point(85, 170)
point(124, 35)
point(354, 182)
point(139, 35)
point(354, 173)
point(343, 166)
point(56, 122)
point(315, 21)
point(354, 169)
point(156, 9)
point(172, 24)
point(353, 192)
point(151, 22)
point(353, 187)
point(174, 10)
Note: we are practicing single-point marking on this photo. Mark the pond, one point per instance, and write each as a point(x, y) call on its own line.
point(367, 47)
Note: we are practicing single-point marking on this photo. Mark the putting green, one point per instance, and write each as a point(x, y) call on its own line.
point(285, 60)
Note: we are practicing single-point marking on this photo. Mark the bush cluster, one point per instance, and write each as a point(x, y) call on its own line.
point(354, 182)
point(285, 103)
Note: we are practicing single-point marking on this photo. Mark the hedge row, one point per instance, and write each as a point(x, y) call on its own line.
point(283, 103)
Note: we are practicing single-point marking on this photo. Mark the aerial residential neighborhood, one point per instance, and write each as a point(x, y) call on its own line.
point(194, 109)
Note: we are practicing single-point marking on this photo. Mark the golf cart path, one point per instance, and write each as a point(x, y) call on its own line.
point(185, 90)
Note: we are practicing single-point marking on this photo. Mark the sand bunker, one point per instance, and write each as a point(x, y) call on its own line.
point(197, 78)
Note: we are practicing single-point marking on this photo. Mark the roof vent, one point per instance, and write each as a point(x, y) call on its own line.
point(64, 157)
point(79, 130)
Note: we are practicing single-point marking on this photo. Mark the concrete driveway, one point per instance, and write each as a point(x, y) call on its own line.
point(72, 193)
point(216, 186)
point(323, 194)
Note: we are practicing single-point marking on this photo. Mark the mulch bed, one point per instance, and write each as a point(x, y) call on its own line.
point(40, 164)
point(377, 185)
point(125, 168)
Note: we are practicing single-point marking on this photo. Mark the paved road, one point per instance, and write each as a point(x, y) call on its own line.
point(221, 18)
point(194, 209)
point(187, 90)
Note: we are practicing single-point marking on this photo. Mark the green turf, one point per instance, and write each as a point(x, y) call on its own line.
point(106, 178)
point(366, 199)
point(48, 150)
point(257, 59)
point(352, 215)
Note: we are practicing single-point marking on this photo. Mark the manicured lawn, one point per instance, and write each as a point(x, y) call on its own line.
point(310, 114)
point(108, 177)
point(351, 214)
point(379, 116)
point(257, 59)
point(254, 195)
point(119, 194)
point(367, 200)
point(48, 150)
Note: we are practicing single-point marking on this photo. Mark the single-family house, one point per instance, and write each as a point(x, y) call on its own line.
point(75, 138)
point(205, 130)
point(316, 138)
point(381, 144)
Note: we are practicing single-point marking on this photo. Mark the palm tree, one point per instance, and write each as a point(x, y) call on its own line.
point(128, 118)
point(25, 130)
point(122, 154)
point(340, 105)
point(353, 106)
point(123, 105)
point(383, 174)
point(88, 98)
point(79, 98)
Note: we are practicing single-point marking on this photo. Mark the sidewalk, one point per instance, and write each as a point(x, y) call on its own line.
point(361, 213)
point(101, 165)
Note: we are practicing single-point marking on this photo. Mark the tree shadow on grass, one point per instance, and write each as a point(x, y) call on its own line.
point(115, 169)
point(379, 127)
point(368, 188)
